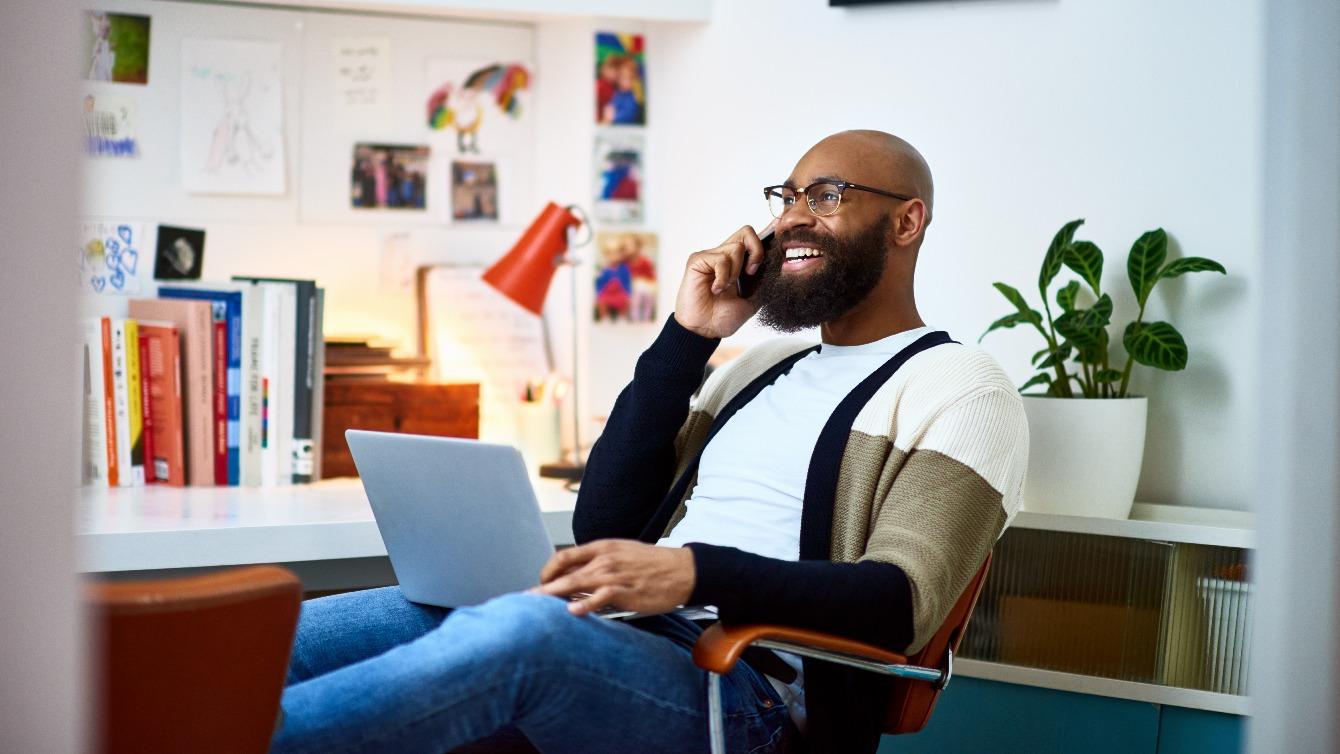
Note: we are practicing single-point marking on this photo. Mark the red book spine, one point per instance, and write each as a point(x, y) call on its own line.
point(109, 404)
point(221, 402)
point(148, 421)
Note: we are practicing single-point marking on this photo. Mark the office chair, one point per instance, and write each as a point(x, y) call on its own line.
point(919, 678)
point(192, 664)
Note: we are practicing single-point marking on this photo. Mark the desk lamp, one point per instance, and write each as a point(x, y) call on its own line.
point(524, 275)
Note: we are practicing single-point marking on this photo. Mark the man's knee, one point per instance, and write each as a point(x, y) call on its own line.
point(521, 627)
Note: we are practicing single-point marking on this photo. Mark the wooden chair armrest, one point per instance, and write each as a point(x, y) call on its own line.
point(720, 647)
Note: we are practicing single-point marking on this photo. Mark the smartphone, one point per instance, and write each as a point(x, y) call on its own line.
point(746, 284)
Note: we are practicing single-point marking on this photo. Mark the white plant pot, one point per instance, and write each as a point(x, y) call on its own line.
point(1084, 455)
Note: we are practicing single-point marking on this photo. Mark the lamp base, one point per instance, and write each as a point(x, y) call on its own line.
point(563, 470)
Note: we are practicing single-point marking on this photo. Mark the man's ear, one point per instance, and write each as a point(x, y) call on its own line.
point(909, 222)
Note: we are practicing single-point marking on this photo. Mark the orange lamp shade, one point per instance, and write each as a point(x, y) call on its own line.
point(525, 272)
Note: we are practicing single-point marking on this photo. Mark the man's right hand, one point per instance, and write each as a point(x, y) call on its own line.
point(708, 303)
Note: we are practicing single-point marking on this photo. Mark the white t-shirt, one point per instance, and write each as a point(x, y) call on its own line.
point(751, 479)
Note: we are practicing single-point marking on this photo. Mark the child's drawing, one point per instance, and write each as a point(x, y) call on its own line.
point(109, 257)
point(462, 93)
point(232, 117)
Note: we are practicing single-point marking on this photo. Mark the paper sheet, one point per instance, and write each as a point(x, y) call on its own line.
point(232, 127)
point(361, 72)
point(110, 257)
point(480, 335)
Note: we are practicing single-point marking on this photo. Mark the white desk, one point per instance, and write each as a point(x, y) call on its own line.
point(323, 531)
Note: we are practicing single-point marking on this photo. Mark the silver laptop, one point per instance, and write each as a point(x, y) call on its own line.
point(459, 517)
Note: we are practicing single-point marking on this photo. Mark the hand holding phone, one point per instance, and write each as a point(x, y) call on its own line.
point(747, 284)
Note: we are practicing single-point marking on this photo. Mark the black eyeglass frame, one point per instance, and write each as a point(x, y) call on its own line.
point(841, 186)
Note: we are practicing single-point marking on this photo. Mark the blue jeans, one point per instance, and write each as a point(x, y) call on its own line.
point(372, 672)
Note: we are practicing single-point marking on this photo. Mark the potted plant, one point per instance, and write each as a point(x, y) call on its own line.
point(1085, 455)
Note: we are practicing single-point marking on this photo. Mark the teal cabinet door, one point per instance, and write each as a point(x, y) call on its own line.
point(974, 715)
point(1193, 731)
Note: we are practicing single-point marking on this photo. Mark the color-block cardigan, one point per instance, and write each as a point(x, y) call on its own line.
point(931, 473)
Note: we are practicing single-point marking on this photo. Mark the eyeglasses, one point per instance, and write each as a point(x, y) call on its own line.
point(823, 197)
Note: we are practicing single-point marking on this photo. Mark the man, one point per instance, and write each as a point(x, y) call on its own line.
point(853, 487)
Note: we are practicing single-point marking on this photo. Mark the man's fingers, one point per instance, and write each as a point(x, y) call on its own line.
point(727, 266)
point(600, 599)
point(565, 560)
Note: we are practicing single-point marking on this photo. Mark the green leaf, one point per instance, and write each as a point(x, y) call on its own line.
point(1156, 344)
point(1041, 378)
point(1013, 295)
point(1086, 259)
point(1145, 262)
point(1065, 298)
point(1107, 375)
point(1190, 264)
point(1060, 356)
point(1053, 356)
point(1051, 263)
point(1011, 320)
point(1083, 326)
point(1091, 352)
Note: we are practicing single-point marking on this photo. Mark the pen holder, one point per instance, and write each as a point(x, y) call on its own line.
point(537, 433)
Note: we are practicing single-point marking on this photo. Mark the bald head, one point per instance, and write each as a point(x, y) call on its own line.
point(895, 164)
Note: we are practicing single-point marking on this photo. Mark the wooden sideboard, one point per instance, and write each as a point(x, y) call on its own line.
point(444, 409)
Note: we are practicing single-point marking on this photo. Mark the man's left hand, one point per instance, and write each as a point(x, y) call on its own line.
point(622, 572)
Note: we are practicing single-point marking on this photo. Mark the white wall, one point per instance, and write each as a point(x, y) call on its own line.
point(1131, 113)
point(41, 638)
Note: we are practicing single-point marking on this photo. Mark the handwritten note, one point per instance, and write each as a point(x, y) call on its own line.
point(361, 71)
point(481, 335)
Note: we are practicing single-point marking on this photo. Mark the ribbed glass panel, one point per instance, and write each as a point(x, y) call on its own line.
point(1131, 609)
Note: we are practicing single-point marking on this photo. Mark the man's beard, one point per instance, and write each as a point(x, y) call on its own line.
point(850, 270)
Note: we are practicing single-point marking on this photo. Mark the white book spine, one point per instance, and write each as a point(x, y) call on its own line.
point(281, 414)
point(121, 401)
point(94, 456)
point(253, 317)
point(269, 368)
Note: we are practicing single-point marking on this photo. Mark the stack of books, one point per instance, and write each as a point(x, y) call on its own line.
point(367, 359)
point(208, 384)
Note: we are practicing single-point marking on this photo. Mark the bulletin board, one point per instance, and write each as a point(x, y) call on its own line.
point(325, 108)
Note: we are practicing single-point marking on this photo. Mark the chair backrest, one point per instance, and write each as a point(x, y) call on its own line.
point(911, 702)
point(193, 664)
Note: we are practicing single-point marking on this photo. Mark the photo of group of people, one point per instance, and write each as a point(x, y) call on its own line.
point(626, 277)
point(387, 176)
point(621, 80)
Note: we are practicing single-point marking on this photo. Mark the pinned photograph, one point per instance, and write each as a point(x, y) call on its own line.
point(116, 47)
point(618, 189)
point(626, 277)
point(109, 257)
point(109, 126)
point(474, 99)
point(181, 253)
point(474, 191)
point(621, 79)
point(389, 176)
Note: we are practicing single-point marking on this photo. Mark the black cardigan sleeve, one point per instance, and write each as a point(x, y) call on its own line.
point(867, 601)
point(632, 465)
